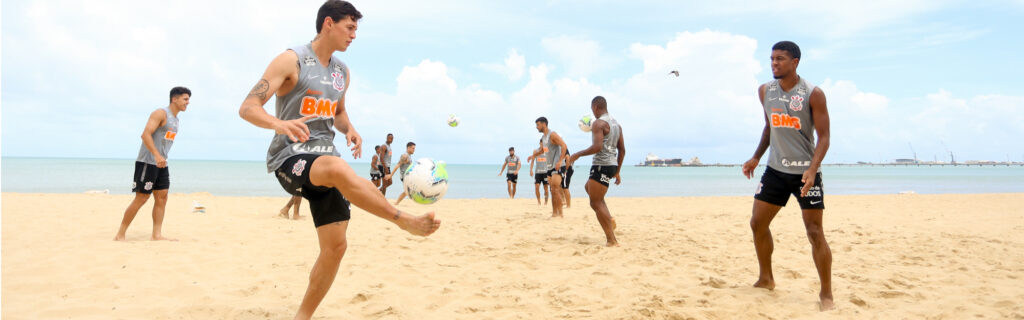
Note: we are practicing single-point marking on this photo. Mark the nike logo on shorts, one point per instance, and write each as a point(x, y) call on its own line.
point(815, 202)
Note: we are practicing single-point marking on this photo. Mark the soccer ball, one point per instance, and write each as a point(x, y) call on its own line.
point(426, 181)
point(585, 122)
point(453, 121)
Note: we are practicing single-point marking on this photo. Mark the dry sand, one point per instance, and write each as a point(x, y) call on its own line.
point(895, 256)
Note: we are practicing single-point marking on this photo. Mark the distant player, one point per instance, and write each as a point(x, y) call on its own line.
point(309, 83)
point(375, 166)
point(554, 151)
point(539, 171)
point(512, 163)
point(794, 110)
point(151, 173)
point(566, 180)
point(403, 163)
point(385, 161)
point(609, 149)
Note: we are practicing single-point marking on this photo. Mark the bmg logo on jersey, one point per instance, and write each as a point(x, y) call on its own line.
point(322, 107)
point(785, 121)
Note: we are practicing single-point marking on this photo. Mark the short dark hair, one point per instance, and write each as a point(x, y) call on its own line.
point(337, 10)
point(511, 148)
point(542, 120)
point(788, 46)
point(177, 91)
point(390, 135)
point(600, 102)
point(410, 144)
point(376, 148)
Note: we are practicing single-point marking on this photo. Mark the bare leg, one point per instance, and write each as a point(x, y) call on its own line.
point(332, 248)
point(384, 186)
point(400, 197)
point(596, 191)
point(546, 187)
point(509, 187)
point(556, 195)
point(159, 204)
point(514, 190)
point(284, 211)
point(822, 255)
point(296, 201)
point(568, 197)
point(536, 189)
point(129, 214)
point(762, 216)
point(334, 172)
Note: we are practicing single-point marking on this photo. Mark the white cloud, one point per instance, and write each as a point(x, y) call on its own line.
point(513, 68)
point(580, 57)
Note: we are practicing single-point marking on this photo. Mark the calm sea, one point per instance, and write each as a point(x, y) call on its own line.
point(249, 178)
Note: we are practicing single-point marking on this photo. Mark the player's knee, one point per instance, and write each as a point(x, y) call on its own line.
point(335, 250)
point(758, 224)
point(160, 198)
point(815, 234)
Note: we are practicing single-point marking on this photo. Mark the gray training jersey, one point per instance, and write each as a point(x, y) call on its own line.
point(317, 92)
point(513, 163)
point(540, 163)
point(373, 168)
point(609, 153)
point(792, 126)
point(163, 138)
point(385, 157)
point(554, 151)
point(401, 169)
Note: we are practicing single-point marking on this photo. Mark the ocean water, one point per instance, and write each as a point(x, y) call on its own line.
point(249, 178)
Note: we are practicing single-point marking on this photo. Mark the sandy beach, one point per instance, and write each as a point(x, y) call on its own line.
point(894, 256)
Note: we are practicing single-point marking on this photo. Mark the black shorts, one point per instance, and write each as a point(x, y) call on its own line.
point(603, 174)
point(567, 177)
point(512, 177)
point(541, 177)
point(148, 178)
point(775, 188)
point(327, 205)
point(380, 168)
point(375, 176)
point(559, 171)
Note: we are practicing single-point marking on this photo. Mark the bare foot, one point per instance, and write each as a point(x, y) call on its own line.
point(119, 237)
point(295, 217)
point(159, 238)
point(767, 284)
point(283, 213)
point(422, 225)
point(826, 304)
point(612, 244)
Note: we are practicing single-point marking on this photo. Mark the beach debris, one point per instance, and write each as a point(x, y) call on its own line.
point(104, 191)
point(908, 192)
point(198, 207)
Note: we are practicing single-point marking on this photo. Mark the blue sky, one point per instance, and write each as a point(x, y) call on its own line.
point(80, 77)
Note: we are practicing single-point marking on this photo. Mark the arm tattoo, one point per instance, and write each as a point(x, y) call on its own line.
point(260, 90)
point(398, 214)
